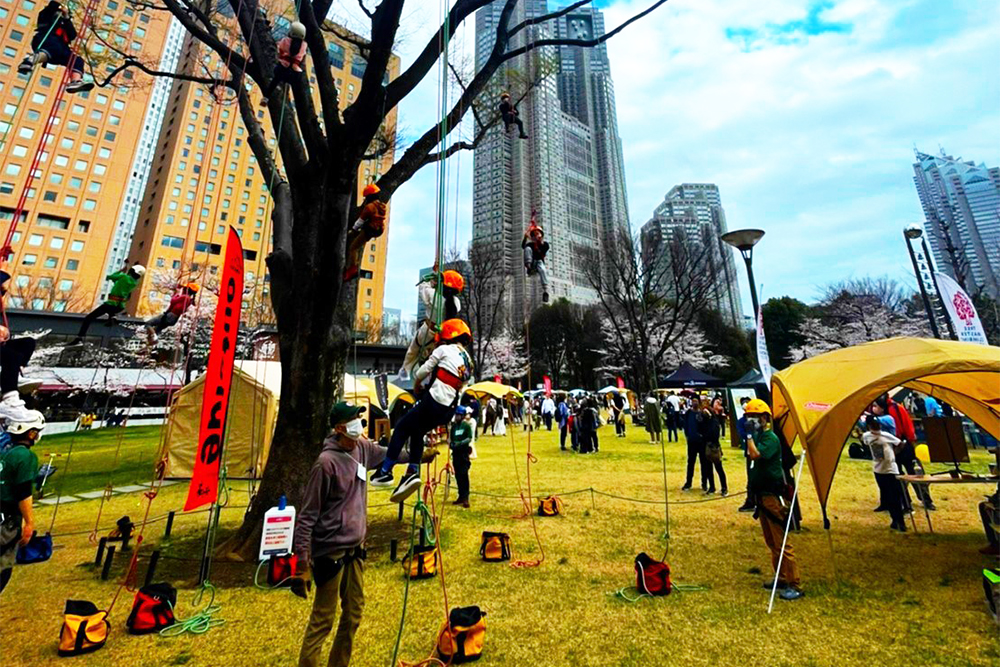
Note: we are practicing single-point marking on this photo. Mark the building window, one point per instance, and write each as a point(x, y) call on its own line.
point(57, 243)
point(76, 246)
point(51, 262)
point(29, 260)
point(172, 242)
point(72, 264)
point(36, 240)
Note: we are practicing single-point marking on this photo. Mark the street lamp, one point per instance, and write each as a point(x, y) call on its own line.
point(744, 240)
point(912, 233)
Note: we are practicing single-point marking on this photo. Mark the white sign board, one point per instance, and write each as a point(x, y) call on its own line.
point(279, 527)
point(763, 359)
point(964, 318)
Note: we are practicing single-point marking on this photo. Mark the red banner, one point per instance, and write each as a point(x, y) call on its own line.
point(204, 488)
point(548, 384)
point(497, 379)
point(621, 383)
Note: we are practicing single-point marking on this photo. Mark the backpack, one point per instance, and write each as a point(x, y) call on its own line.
point(85, 628)
point(991, 587)
point(652, 577)
point(421, 562)
point(461, 638)
point(550, 506)
point(281, 569)
point(153, 609)
point(495, 547)
point(37, 550)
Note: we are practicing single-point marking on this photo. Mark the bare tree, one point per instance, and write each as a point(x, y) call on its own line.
point(315, 190)
point(44, 293)
point(651, 294)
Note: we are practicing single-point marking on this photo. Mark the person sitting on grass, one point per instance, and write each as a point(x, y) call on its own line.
point(330, 535)
point(883, 448)
point(461, 451)
point(768, 483)
point(125, 281)
point(18, 469)
point(54, 32)
point(448, 371)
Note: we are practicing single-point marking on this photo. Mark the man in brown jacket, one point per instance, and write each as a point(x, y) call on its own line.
point(330, 534)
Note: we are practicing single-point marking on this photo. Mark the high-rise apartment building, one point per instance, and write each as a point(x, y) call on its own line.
point(568, 172)
point(78, 198)
point(961, 202)
point(204, 178)
point(691, 214)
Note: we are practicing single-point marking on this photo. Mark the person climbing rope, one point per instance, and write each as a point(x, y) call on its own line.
point(54, 32)
point(420, 346)
point(448, 370)
point(369, 225)
point(125, 281)
point(330, 535)
point(535, 249)
point(291, 55)
point(510, 115)
point(179, 303)
point(14, 355)
point(18, 470)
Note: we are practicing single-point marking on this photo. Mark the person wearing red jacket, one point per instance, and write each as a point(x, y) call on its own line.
point(291, 55)
point(906, 456)
point(179, 303)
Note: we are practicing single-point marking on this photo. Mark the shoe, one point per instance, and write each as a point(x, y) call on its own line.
point(781, 585)
point(462, 503)
point(545, 297)
point(26, 65)
point(747, 507)
point(524, 136)
point(881, 508)
point(901, 527)
point(686, 487)
point(724, 492)
point(710, 492)
point(930, 507)
point(263, 101)
point(12, 408)
point(459, 501)
point(791, 594)
point(76, 87)
point(408, 485)
point(381, 479)
point(990, 550)
point(76, 342)
point(403, 376)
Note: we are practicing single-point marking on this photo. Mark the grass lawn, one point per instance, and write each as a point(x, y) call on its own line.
point(873, 597)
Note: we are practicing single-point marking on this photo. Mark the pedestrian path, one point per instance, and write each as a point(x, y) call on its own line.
point(94, 495)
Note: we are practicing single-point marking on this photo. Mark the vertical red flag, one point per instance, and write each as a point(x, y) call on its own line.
point(621, 383)
point(204, 488)
point(497, 379)
point(548, 384)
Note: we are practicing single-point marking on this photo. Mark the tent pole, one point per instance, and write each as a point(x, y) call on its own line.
point(784, 540)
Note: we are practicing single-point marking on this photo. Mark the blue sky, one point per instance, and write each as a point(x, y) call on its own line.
point(803, 112)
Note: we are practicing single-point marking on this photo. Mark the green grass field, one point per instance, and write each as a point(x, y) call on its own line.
point(873, 597)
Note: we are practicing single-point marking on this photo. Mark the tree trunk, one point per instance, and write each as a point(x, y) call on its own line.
point(315, 323)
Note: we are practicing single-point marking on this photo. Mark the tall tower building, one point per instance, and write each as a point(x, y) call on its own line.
point(569, 169)
point(205, 178)
point(691, 214)
point(78, 199)
point(961, 202)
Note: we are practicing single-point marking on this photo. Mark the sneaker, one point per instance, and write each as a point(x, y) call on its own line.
point(791, 594)
point(930, 507)
point(408, 485)
point(686, 487)
point(381, 479)
point(403, 376)
point(12, 408)
point(524, 136)
point(901, 527)
point(881, 508)
point(710, 492)
point(263, 101)
point(747, 507)
point(26, 65)
point(724, 492)
point(76, 87)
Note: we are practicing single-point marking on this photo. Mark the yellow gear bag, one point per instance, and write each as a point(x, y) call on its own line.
point(462, 636)
point(421, 562)
point(85, 628)
point(550, 506)
point(495, 547)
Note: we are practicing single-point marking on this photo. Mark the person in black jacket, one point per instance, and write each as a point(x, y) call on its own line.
point(510, 115)
point(695, 445)
point(54, 33)
point(535, 249)
point(711, 456)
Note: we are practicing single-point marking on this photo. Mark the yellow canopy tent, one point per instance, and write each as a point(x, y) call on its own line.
point(820, 399)
point(494, 389)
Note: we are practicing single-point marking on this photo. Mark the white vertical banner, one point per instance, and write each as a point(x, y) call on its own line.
point(763, 360)
point(964, 318)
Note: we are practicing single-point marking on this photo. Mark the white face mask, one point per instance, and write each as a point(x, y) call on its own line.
point(354, 429)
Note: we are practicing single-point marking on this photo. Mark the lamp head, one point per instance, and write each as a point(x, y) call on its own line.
point(743, 239)
point(914, 231)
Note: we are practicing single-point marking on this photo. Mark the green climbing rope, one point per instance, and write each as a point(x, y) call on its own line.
point(418, 508)
point(201, 622)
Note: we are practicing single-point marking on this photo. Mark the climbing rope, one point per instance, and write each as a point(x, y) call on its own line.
point(200, 622)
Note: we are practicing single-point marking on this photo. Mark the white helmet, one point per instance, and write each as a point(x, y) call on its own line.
point(139, 270)
point(35, 420)
point(297, 31)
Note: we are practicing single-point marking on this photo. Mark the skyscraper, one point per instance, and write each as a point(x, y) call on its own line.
point(961, 202)
point(568, 172)
point(691, 214)
point(78, 200)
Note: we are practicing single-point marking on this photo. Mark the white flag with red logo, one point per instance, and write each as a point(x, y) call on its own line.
point(964, 317)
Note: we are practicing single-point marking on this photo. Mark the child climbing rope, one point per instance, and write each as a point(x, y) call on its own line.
point(535, 249)
point(14, 355)
point(125, 282)
point(420, 346)
point(179, 303)
point(369, 225)
point(18, 469)
point(448, 370)
point(291, 55)
point(54, 33)
point(510, 115)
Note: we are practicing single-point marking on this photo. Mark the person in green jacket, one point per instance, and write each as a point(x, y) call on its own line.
point(124, 283)
point(461, 449)
point(18, 469)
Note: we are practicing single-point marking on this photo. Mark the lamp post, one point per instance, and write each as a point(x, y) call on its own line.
point(744, 240)
point(912, 233)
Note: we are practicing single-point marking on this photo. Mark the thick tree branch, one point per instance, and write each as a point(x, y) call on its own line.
point(132, 63)
point(547, 17)
point(328, 98)
point(207, 36)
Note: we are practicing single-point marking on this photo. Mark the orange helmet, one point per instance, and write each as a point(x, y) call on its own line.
point(454, 280)
point(370, 189)
point(452, 329)
point(192, 286)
